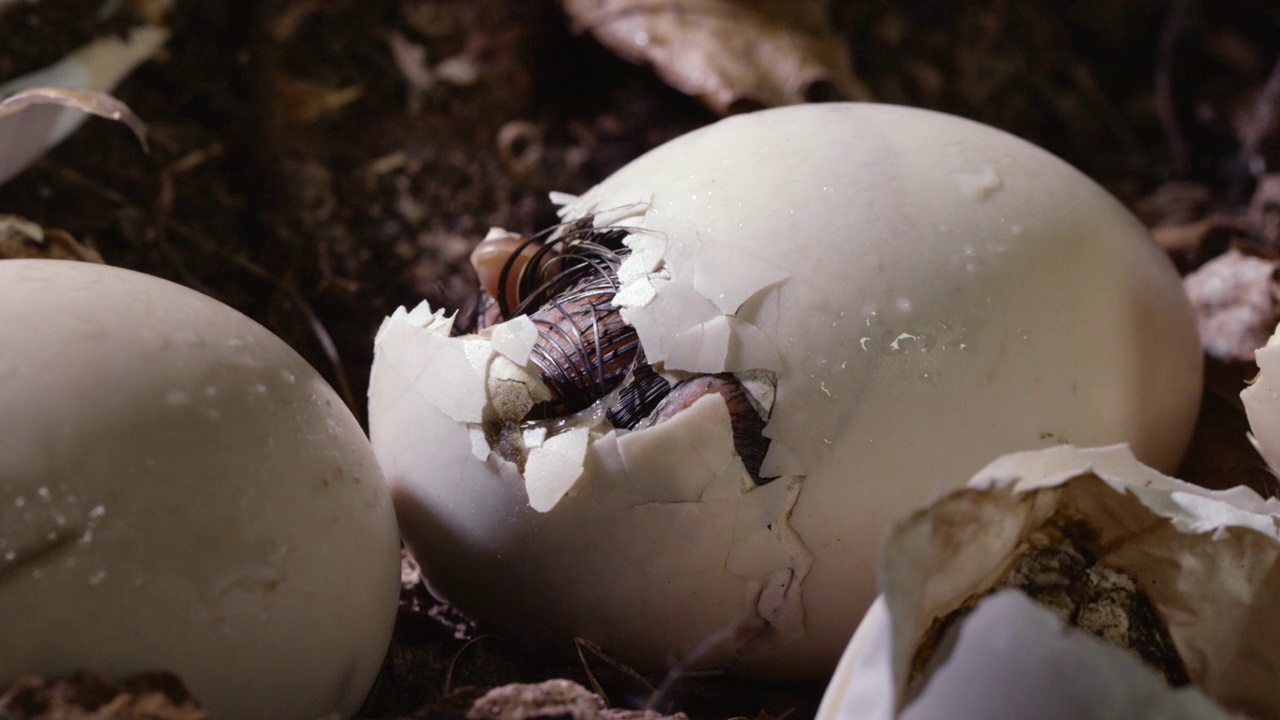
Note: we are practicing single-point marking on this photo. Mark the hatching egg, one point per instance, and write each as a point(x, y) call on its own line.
point(896, 296)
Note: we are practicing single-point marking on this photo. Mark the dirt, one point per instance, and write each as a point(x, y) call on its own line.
point(316, 164)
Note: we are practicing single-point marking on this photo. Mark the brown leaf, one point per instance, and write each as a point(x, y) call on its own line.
point(21, 238)
point(553, 699)
point(86, 696)
point(89, 101)
point(728, 52)
point(1237, 304)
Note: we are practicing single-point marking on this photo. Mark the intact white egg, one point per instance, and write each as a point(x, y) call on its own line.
point(181, 491)
point(905, 294)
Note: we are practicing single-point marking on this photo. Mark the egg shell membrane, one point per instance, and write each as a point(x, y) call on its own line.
point(1209, 561)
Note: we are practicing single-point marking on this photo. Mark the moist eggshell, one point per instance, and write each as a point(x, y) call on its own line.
point(182, 492)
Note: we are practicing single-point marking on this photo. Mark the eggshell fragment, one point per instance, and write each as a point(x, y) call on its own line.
point(99, 65)
point(922, 292)
point(179, 490)
point(1262, 403)
point(1207, 560)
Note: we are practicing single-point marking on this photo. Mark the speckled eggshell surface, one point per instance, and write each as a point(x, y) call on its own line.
point(181, 491)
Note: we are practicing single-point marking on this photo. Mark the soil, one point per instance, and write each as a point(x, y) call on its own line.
point(302, 174)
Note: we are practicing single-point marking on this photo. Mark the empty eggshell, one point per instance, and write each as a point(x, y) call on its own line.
point(1012, 659)
point(181, 491)
point(910, 294)
point(1207, 561)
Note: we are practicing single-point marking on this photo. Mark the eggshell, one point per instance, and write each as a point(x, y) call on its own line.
point(1207, 561)
point(924, 292)
point(1017, 660)
point(181, 491)
point(1262, 403)
point(99, 65)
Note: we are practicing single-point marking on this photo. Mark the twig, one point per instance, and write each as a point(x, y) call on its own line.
point(448, 675)
point(594, 649)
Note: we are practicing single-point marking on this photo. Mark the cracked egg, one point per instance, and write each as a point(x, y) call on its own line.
point(690, 412)
point(181, 491)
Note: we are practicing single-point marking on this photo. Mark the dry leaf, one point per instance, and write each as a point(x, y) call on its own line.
point(553, 699)
point(86, 696)
point(89, 101)
point(1237, 304)
point(728, 52)
point(21, 238)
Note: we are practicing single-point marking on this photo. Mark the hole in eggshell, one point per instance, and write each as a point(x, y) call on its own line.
point(587, 356)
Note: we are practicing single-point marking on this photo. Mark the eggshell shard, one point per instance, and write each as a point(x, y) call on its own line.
point(99, 65)
point(181, 491)
point(1207, 560)
point(923, 292)
point(1262, 403)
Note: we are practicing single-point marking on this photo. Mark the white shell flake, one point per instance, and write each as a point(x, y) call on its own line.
point(1262, 403)
point(99, 65)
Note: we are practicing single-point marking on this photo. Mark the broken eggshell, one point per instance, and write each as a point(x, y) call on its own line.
point(180, 490)
point(1209, 562)
point(921, 292)
point(1016, 660)
point(1262, 403)
point(98, 66)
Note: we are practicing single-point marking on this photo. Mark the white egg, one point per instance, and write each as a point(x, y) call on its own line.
point(923, 292)
point(179, 490)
